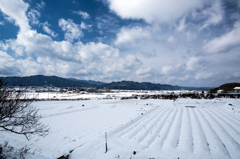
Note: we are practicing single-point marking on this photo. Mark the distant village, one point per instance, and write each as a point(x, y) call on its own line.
point(70, 90)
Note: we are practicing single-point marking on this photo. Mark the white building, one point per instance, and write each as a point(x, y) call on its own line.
point(220, 91)
point(236, 89)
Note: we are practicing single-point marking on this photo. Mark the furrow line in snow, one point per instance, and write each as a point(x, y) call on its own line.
point(84, 125)
point(228, 142)
point(69, 112)
point(215, 144)
point(87, 131)
point(138, 128)
point(147, 130)
point(128, 126)
point(167, 125)
point(185, 137)
point(228, 126)
point(228, 116)
point(151, 139)
point(104, 126)
point(91, 134)
point(199, 140)
point(109, 117)
point(171, 141)
point(235, 116)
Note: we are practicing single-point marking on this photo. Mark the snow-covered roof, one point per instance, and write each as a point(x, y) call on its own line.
point(236, 88)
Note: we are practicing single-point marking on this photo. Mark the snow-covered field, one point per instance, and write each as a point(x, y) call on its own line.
point(160, 129)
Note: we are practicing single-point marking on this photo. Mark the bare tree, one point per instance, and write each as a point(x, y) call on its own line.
point(17, 115)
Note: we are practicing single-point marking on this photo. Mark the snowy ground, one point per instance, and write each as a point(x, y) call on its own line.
point(160, 129)
point(83, 95)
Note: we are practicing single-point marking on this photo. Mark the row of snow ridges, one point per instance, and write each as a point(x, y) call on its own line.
point(183, 95)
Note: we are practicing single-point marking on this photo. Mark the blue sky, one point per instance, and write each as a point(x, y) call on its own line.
point(187, 43)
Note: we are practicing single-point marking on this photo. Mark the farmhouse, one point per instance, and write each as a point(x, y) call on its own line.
point(236, 89)
point(220, 91)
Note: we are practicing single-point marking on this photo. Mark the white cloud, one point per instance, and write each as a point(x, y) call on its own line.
point(191, 36)
point(96, 51)
point(203, 75)
point(130, 62)
point(48, 30)
point(41, 5)
point(84, 15)
point(214, 13)
point(107, 23)
point(225, 42)
point(7, 66)
point(166, 69)
point(155, 11)
point(85, 26)
point(184, 78)
point(3, 46)
point(28, 66)
point(6, 59)
point(193, 63)
point(144, 71)
point(126, 35)
point(181, 25)
point(33, 16)
point(1, 23)
point(170, 39)
point(16, 10)
point(236, 74)
point(73, 31)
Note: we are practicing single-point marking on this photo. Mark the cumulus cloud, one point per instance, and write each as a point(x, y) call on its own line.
point(225, 42)
point(73, 31)
point(48, 30)
point(181, 25)
point(41, 5)
point(28, 66)
point(236, 74)
point(129, 35)
point(33, 16)
point(193, 63)
point(84, 15)
point(203, 75)
point(130, 62)
point(16, 10)
point(145, 71)
point(107, 24)
point(184, 78)
point(96, 51)
point(170, 39)
point(214, 13)
point(154, 11)
point(166, 69)
point(3, 46)
point(7, 66)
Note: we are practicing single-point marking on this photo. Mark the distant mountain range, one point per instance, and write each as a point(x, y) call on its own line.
point(131, 85)
point(88, 81)
point(40, 80)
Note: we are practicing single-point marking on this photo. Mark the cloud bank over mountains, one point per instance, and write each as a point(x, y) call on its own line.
point(189, 43)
